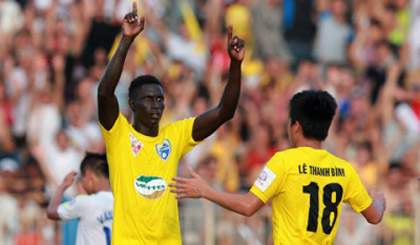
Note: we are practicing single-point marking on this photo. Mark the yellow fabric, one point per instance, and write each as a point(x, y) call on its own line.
point(399, 33)
point(150, 218)
point(142, 51)
point(227, 170)
point(190, 21)
point(293, 178)
point(240, 17)
point(193, 27)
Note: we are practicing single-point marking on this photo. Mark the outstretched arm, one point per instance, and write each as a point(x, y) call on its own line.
point(107, 101)
point(374, 213)
point(209, 121)
point(245, 204)
point(52, 211)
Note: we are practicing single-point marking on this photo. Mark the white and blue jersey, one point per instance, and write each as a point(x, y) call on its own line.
point(95, 214)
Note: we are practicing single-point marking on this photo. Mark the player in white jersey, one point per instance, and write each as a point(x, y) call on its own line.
point(95, 210)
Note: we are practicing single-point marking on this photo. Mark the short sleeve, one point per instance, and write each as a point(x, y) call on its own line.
point(185, 131)
point(114, 134)
point(74, 208)
point(271, 180)
point(357, 196)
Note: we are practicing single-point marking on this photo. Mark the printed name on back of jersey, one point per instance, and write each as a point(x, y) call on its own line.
point(150, 187)
point(319, 171)
point(164, 149)
point(265, 179)
point(136, 145)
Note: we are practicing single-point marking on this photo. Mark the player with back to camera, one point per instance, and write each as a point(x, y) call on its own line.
point(95, 210)
point(142, 157)
point(307, 184)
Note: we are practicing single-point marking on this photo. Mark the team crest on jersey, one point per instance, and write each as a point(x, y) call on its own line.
point(136, 145)
point(164, 149)
point(150, 187)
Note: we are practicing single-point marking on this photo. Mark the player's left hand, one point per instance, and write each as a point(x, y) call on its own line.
point(235, 46)
point(68, 180)
point(188, 188)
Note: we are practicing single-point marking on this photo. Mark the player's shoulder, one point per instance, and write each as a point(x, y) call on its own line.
point(79, 200)
point(179, 124)
point(288, 153)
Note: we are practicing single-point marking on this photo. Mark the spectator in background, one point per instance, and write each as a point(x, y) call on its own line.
point(9, 213)
point(333, 34)
point(377, 105)
point(267, 20)
point(300, 25)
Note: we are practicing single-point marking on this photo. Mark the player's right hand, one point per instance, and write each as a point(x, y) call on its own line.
point(379, 196)
point(188, 188)
point(68, 180)
point(131, 24)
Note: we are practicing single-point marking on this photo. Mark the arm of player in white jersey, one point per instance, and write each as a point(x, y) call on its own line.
point(245, 204)
point(52, 210)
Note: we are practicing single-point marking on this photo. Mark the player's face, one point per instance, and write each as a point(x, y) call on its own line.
point(148, 104)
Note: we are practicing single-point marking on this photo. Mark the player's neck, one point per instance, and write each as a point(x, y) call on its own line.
point(145, 130)
point(102, 185)
point(304, 142)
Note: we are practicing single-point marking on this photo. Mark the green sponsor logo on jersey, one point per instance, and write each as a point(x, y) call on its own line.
point(150, 187)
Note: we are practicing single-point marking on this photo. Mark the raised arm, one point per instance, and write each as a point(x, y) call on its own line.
point(209, 121)
point(245, 204)
point(374, 213)
point(107, 101)
point(52, 210)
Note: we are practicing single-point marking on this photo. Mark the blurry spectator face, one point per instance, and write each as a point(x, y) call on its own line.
point(394, 177)
point(375, 33)
point(84, 89)
point(338, 7)
point(2, 184)
point(261, 137)
point(100, 56)
point(62, 140)
point(200, 105)
point(363, 155)
point(75, 115)
point(333, 75)
point(401, 4)
point(46, 96)
point(25, 57)
point(383, 52)
point(2, 91)
point(208, 169)
point(274, 66)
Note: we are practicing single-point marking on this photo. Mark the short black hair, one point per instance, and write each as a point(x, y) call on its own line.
point(139, 81)
point(314, 110)
point(97, 163)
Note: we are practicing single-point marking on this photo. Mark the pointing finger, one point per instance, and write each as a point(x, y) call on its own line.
point(230, 31)
point(135, 6)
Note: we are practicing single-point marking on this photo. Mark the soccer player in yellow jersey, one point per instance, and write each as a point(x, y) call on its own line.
point(142, 157)
point(307, 184)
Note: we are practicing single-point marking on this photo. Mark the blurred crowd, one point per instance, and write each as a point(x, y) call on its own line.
point(366, 53)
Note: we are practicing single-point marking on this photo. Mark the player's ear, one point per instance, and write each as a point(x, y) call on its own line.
point(131, 104)
point(297, 128)
point(89, 174)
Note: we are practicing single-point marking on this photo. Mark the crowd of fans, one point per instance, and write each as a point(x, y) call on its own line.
point(366, 53)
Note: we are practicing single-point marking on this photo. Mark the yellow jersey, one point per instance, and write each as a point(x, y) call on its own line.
point(140, 168)
point(308, 187)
